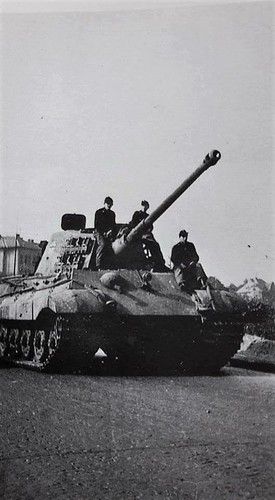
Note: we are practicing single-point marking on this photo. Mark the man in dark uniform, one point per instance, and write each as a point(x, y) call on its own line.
point(140, 215)
point(189, 274)
point(148, 238)
point(105, 224)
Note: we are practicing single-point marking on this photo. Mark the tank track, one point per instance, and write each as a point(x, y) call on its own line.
point(68, 344)
point(60, 343)
point(170, 346)
point(219, 340)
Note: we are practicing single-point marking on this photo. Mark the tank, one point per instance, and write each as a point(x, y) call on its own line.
point(135, 312)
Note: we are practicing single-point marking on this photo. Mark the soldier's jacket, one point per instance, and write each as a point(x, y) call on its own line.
point(138, 216)
point(184, 253)
point(105, 220)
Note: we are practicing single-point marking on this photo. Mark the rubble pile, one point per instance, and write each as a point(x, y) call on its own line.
point(258, 347)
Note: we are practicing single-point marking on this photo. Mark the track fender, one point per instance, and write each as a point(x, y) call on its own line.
point(78, 301)
point(60, 300)
point(220, 301)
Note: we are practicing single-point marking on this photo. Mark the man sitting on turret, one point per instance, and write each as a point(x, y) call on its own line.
point(189, 274)
point(140, 215)
point(105, 225)
point(148, 238)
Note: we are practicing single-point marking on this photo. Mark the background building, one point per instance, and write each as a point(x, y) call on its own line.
point(18, 256)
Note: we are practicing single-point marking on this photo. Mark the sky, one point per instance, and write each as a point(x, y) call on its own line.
point(125, 100)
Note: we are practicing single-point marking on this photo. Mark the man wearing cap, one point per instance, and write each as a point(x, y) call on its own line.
point(148, 238)
point(105, 224)
point(140, 215)
point(189, 274)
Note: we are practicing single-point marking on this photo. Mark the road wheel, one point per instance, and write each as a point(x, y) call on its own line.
point(4, 340)
point(26, 344)
point(40, 346)
point(14, 342)
point(54, 336)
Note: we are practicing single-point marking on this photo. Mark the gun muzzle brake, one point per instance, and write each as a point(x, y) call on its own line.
point(213, 157)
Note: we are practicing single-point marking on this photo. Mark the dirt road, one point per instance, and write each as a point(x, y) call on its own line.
point(85, 437)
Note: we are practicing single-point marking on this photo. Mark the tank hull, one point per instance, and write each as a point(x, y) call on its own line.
point(60, 325)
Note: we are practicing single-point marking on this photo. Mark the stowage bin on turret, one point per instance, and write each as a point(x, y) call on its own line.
point(59, 318)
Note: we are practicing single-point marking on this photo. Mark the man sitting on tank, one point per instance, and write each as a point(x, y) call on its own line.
point(105, 225)
point(148, 239)
point(188, 272)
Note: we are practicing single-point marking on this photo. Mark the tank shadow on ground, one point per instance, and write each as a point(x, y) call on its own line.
point(226, 371)
point(105, 370)
point(103, 367)
point(253, 365)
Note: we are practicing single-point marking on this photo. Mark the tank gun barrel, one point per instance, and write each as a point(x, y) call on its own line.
point(211, 159)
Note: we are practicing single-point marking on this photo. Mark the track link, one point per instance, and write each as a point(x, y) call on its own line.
point(60, 343)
